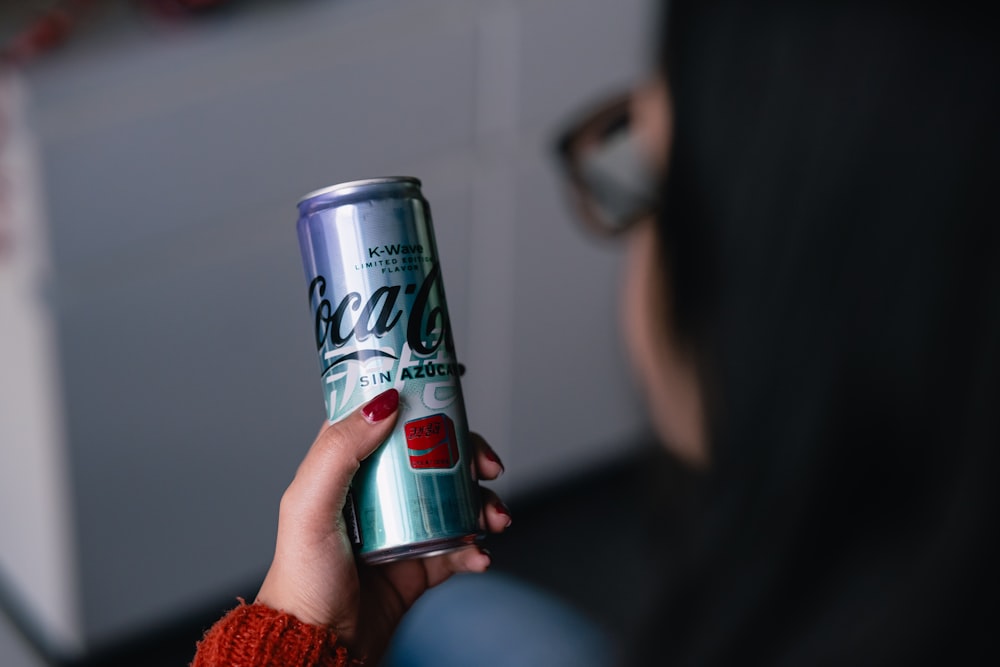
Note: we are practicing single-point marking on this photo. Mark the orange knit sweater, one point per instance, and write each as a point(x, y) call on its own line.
point(257, 636)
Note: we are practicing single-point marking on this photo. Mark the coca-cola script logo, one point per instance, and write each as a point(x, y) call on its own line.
point(356, 319)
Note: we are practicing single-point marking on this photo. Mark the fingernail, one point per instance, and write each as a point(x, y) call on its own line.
point(492, 456)
point(381, 406)
point(504, 511)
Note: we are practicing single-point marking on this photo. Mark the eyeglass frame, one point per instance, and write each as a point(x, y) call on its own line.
point(595, 126)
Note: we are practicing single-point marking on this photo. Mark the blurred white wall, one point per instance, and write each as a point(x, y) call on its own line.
point(36, 524)
point(187, 383)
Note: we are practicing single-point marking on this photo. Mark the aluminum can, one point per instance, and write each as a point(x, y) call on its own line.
point(380, 321)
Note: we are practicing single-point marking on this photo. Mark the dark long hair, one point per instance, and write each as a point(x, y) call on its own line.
point(831, 218)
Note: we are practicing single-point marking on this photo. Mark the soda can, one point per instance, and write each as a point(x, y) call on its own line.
point(380, 321)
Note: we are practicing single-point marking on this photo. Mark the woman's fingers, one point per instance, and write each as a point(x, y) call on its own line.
point(495, 512)
point(410, 578)
point(473, 558)
point(470, 559)
point(488, 464)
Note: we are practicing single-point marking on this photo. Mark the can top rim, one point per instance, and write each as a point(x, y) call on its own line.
point(352, 185)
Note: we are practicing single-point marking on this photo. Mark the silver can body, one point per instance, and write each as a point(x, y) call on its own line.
point(380, 321)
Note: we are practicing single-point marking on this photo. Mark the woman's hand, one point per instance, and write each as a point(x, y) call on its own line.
point(314, 576)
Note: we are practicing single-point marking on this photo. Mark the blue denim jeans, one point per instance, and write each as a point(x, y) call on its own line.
point(494, 620)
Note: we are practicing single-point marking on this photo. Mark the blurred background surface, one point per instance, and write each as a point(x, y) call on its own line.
point(159, 382)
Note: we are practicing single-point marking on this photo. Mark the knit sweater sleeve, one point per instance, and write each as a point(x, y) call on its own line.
point(257, 636)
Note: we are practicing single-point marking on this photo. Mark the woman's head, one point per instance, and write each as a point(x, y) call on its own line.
point(823, 254)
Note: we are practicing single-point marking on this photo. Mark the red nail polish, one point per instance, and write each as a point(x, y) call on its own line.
point(492, 456)
point(502, 509)
point(381, 406)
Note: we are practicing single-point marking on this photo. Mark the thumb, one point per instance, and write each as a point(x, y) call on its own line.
point(323, 477)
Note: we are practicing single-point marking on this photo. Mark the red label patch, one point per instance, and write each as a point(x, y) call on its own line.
point(431, 443)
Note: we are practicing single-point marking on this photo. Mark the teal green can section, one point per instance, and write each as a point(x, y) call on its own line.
point(380, 321)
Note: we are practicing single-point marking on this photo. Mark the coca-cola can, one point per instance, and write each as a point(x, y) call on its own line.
point(380, 321)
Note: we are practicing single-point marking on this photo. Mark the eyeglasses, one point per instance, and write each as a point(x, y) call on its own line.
point(611, 180)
